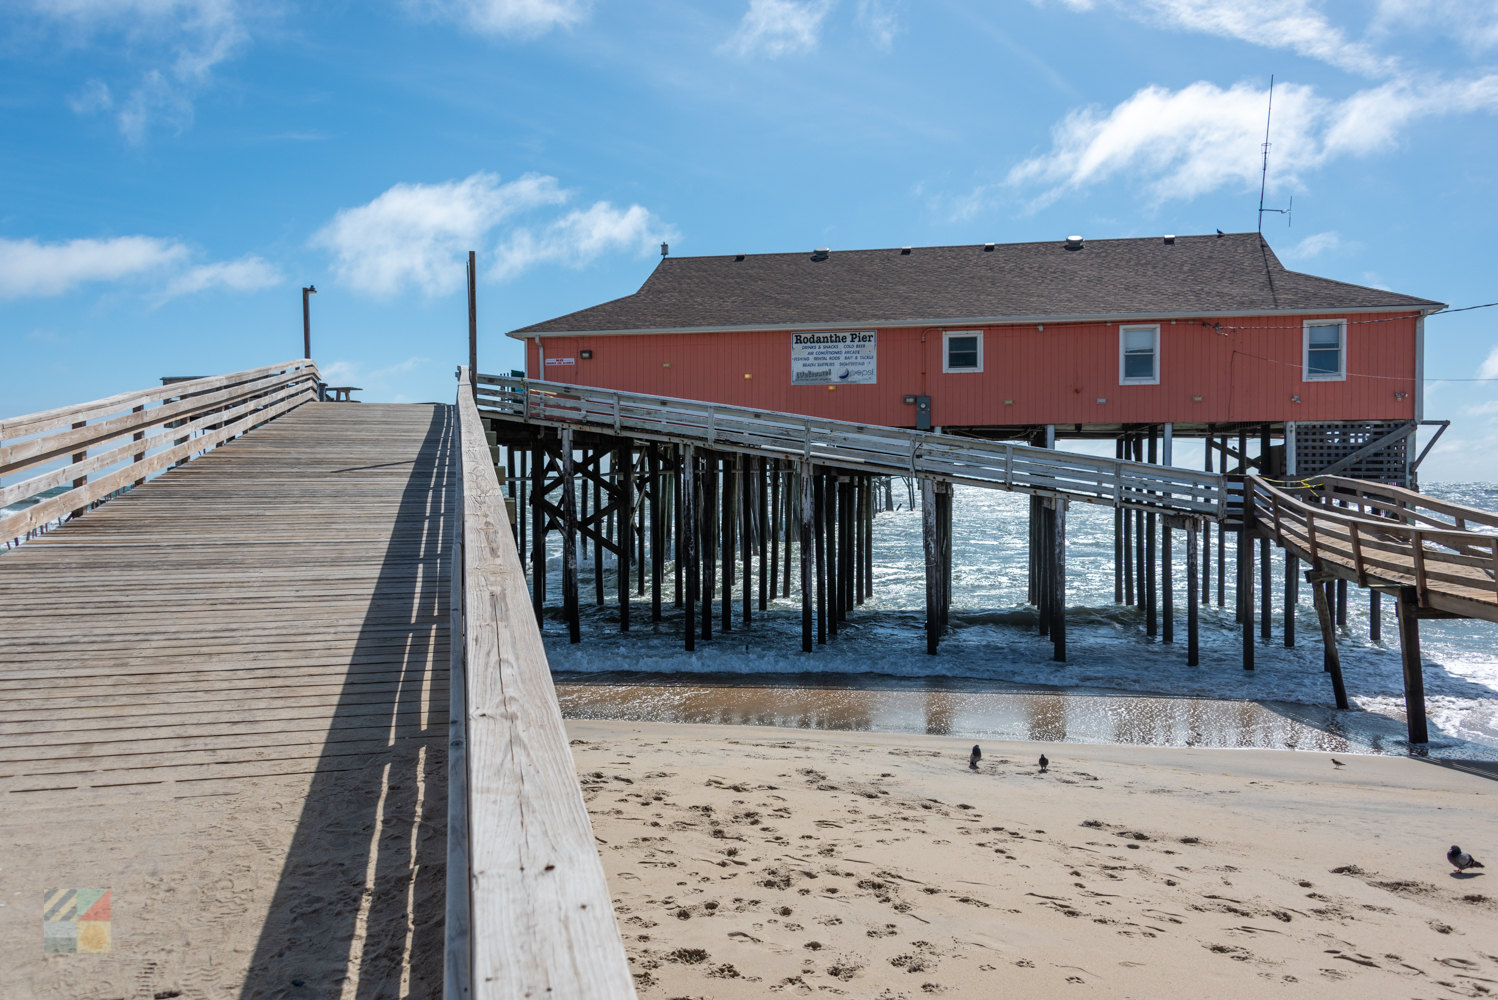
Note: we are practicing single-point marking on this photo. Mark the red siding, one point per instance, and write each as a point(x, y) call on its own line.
point(1053, 376)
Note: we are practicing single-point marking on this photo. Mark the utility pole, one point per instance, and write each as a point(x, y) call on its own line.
point(473, 322)
point(306, 321)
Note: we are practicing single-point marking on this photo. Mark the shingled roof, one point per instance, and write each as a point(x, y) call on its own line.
point(1014, 282)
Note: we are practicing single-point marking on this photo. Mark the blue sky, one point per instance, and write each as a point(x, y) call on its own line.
point(173, 171)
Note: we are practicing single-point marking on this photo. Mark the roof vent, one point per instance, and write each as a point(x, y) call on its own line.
point(905, 251)
point(1074, 243)
point(1170, 239)
point(988, 248)
point(821, 253)
point(738, 256)
point(665, 249)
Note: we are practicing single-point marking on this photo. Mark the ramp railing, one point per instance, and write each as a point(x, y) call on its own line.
point(884, 451)
point(1386, 537)
point(529, 911)
point(107, 445)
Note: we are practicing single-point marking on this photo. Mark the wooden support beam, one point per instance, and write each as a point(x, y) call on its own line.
point(726, 539)
point(1266, 591)
point(1246, 592)
point(1331, 662)
point(538, 530)
point(794, 490)
point(1192, 599)
point(829, 528)
point(598, 548)
point(1292, 596)
point(625, 463)
point(1118, 538)
point(657, 529)
point(1341, 604)
point(1167, 583)
point(1151, 584)
point(930, 548)
point(944, 534)
point(764, 531)
point(709, 540)
point(819, 519)
point(806, 509)
point(1058, 581)
point(1375, 616)
point(1126, 517)
point(691, 517)
point(1414, 673)
point(570, 609)
point(746, 522)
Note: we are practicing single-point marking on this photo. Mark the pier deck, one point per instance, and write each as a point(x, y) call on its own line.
point(221, 695)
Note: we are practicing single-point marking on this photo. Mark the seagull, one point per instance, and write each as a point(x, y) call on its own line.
point(972, 762)
point(1337, 763)
point(1460, 860)
point(1044, 763)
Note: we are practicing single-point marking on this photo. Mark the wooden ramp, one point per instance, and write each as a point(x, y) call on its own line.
point(267, 623)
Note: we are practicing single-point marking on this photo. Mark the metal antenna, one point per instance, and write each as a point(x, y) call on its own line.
point(1264, 172)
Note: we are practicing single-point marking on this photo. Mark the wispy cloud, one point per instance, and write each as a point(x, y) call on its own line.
point(879, 19)
point(414, 234)
point(31, 269)
point(1318, 244)
point(248, 274)
point(581, 236)
point(1188, 142)
point(1489, 367)
point(774, 28)
point(181, 41)
point(1296, 25)
point(511, 18)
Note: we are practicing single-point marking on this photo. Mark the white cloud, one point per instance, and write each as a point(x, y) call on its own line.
point(1474, 23)
point(248, 274)
point(1202, 137)
point(514, 18)
point(1296, 25)
point(418, 234)
point(1316, 245)
point(878, 18)
point(776, 28)
point(581, 236)
point(1489, 367)
point(29, 268)
point(181, 40)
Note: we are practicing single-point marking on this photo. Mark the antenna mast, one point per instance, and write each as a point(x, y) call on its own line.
point(1264, 171)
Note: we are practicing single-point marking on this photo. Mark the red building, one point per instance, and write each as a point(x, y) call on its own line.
point(1210, 335)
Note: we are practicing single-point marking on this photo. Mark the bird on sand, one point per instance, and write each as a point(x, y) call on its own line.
point(977, 755)
point(1044, 763)
point(1337, 763)
point(1461, 860)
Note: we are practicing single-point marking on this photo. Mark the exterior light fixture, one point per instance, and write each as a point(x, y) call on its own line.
point(585, 355)
point(909, 400)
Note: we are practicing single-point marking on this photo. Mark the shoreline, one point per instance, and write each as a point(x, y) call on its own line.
point(754, 859)
point(974, 708)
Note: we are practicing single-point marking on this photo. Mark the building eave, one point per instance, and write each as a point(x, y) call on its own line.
point(949, 322)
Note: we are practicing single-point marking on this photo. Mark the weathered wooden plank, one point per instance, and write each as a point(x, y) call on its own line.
point(542, 922)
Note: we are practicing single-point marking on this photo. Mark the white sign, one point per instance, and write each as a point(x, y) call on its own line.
point(560, 361)
point(835, 358)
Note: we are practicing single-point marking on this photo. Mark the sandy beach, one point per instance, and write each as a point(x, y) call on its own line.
point(748, 860)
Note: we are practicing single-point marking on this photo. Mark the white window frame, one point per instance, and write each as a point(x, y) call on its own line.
point(1123, 339)
point(1305, 350)
point(946, 352)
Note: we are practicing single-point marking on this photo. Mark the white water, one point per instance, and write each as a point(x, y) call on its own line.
point(994, 638)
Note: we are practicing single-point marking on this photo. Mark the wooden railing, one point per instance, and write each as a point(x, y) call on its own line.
point(1383, 541)
point(529, 911)
point(118, 442)
point(882, 451)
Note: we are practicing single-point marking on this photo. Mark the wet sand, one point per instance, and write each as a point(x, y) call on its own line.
point(748, 860)
point(979, 709)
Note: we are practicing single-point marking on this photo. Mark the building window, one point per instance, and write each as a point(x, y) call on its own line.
point(962, 351)
point(1138, 355)
point(1325, 351)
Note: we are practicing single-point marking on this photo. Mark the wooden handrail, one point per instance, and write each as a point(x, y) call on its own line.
point(216, 409)
point(541, 923)
point(1467, 550)
point(875, 449)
